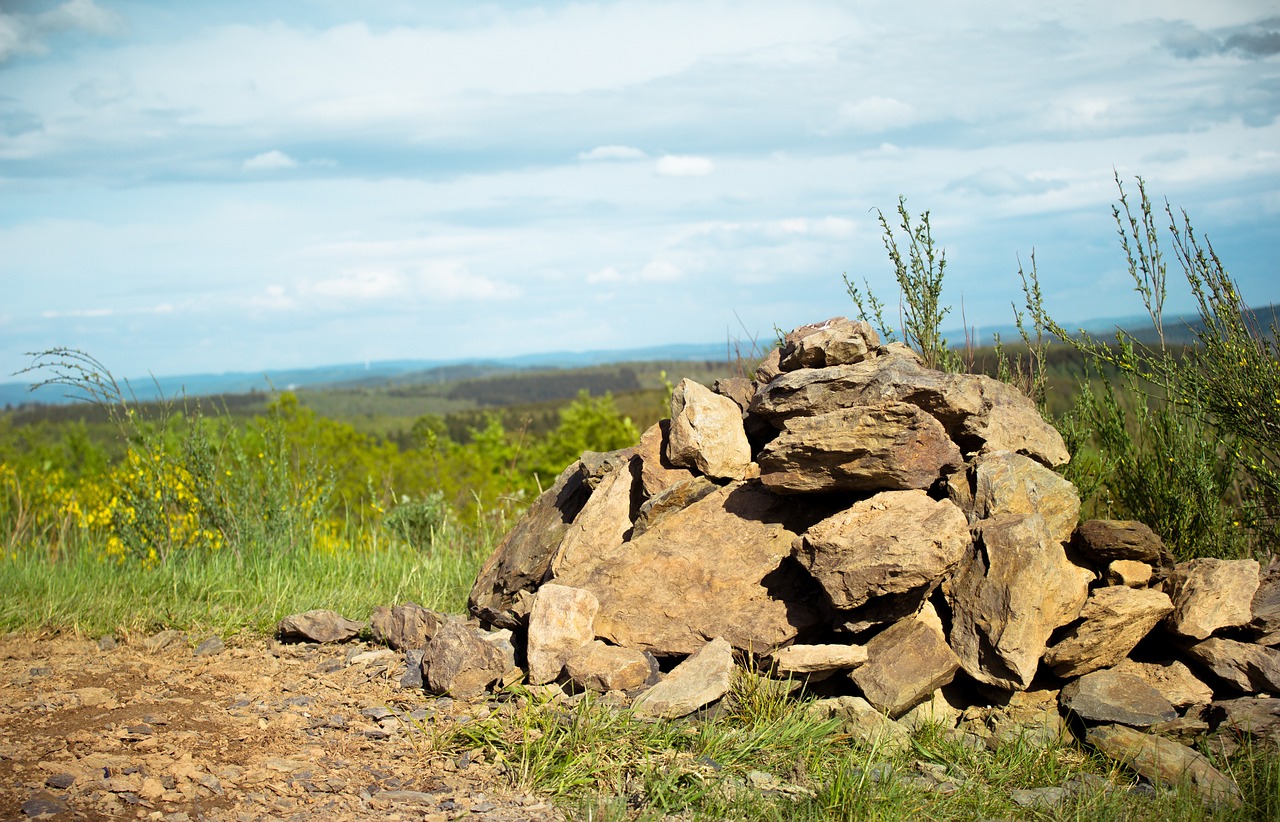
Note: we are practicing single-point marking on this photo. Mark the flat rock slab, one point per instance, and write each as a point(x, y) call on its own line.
point(1165, 762)
point(698, 681)
point(895, 445)
point(320, 625)
point(809, 659)
point(1110, 696)
point(1105, 540)
point(1172, 678)
point(720, 567)
point(1247, 667)
point(1259, 718)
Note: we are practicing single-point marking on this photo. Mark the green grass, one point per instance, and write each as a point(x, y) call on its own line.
point(225, 593)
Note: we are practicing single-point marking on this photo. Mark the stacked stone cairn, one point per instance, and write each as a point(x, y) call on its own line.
point(887, 537)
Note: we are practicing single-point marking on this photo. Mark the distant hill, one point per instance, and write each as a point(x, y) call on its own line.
point(358, 375)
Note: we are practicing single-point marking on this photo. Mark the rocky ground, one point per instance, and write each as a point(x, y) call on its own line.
point(151, 728)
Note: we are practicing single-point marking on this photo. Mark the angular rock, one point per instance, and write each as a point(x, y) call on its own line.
point(1209, 594)
point(938, 709)
point(881, 611)
point(502, 593)
point(905, 664)
point(320, 625)
point(700, 680)
point(960, 492)
point(892, 543)
point(412, 677)
point(675, 497)
point(656, 471)
point(1108, 696)
point(768, 368)
point(1030, 717)
point(596, 465)
point(1012, 590)
point(720, 567)
point(601, 667)
point(1266, 600)
point(738, 389)
point(979, 413)
point(1009, 483)
point(405, 626)
point(460, 663)
point(798, 660)
point(1173, 679)
point(602, 524)
point(837, 341)
point(1104, 540)
point(1164, 761)
point(212, 645)
point(1130, 573)
point(1259, 718)
point(561, 622)
point(163, 639)
point(707, 433)
point(864, 448)
point(1250, 668)
point(1115, 619)
point(862, 722)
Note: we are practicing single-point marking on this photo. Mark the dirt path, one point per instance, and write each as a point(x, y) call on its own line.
point(257, 730)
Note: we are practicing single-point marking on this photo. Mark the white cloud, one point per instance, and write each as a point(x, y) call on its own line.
point(77, 312)
point(608, 274)
point(873, 114)
point(673, 165)
point(452, 281)
point(612, 153)
point(25, 33)
point(660, 271)
point(365, 284)
point(270, 161)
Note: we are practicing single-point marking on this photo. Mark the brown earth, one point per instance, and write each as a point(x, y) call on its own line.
point(258, 730)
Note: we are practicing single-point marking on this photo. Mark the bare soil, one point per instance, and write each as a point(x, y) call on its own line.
point(258, 730)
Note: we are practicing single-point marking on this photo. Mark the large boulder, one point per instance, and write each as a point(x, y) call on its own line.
point(864, 448)
point(719, 567)
point(1009, 483)
point(892, 543)
point(1012, 590)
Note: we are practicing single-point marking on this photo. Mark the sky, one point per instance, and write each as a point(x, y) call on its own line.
point(245, 186)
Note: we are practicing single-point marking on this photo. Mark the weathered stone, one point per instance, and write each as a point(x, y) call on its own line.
point(412, 677)
point(892, 543)
point(656, 471)
point(460, 663)
point(1164, 761)
point(1173, 679)
point(676, 497)
point(720, 567)
point(905, 663)
point(596, 465)
point(561, 622)
point(405, 626)
point(1030, 717)
point(978, 413)
point(1248, 667)
point(209, 647)
point(768, 368)
point(502, 593)
point(938, 709)
point(163, 639)
point(603, 522)
point(837, 341)
point(1209, 594)
point(738, 389)
point(1266, 600)
point(1109, 696)
point(864, 448)
point(1104, 540)
point(809, 659)
point(1114, 620)
point(1257, 717)
point(1129, 573)
point(707, 433)
point(700, 680)
point(862, 722)
point(960, 491)
point(502, 640)
point(1012, 590)
point(320, 625)
point(598, 666)
point(881, 611)
point(1009, 483)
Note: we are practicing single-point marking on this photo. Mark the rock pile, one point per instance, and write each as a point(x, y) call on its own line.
point(892, 536)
